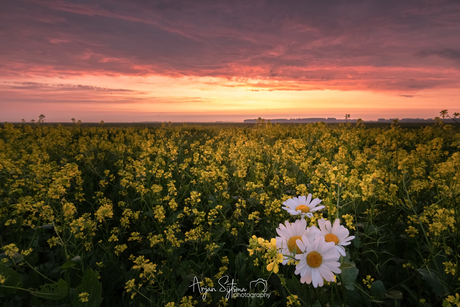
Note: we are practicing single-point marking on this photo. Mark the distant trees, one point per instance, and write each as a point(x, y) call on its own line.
point(445, 114)
point(41, 119)
point(74, 121)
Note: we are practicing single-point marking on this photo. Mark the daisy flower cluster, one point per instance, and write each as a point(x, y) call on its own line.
point(315, 251)
point(302, 205)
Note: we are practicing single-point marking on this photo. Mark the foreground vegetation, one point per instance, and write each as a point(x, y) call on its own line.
point(140, 216)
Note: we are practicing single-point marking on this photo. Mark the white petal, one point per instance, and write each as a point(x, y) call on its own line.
point(316, 208)
point(315, 202)
point(306, 279)
point(321, 224)
point(328, 226)
point(316, 278)
point(335, 267)
point(341, 250)
point(326, 273)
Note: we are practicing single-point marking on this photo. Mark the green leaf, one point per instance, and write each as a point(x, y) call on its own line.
point(67, 265)
point(240, 260)
point(413, 295)
point(240, 264)
point(394, 294)
point(91, 285)
point(346, 265)
point(349, 274)
point(317, 304)
point(55, 291)
point(185, 284)
point(378, 290)
point(13, 279)
point(356, 241)
point(435, 283)
point(70, 263)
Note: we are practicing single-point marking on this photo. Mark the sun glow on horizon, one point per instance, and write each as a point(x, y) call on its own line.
point(118, 98)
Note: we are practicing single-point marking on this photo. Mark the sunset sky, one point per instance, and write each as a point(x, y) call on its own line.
point(217, 60)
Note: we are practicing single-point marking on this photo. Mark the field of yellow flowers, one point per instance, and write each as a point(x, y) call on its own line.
point(185, 215)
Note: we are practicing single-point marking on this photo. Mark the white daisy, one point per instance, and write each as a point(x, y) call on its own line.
point(290, 233)
point(337, 234)
point(302, 205)
point(319, 261)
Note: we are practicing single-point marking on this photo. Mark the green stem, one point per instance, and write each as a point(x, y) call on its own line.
point(35, 233)
point(290, 294)
point(317, 296)
point(338, 200)
point(63, 244)
point(23, 289)
point(38, 271)
point(67, 273)
point(344, 291)
point(333, 289)
point(403, 282)
point(430, 247)
point(151, 302)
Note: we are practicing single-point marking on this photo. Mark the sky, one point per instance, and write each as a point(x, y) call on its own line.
point(218, 60)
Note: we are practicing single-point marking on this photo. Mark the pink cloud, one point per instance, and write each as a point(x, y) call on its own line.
point(397, 47)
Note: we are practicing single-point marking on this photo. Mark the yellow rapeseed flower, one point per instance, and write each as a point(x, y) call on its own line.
point(10, 250)
point(83, 297)
point(293, 300)
point(349, 221)
point(368, 281)
point(274, 266)
point(120, 248)
point(454, 300)
point(450, 267)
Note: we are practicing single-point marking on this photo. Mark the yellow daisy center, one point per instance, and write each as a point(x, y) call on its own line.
point(331, 238)
point(293, 245)
point(303, 208)
point(314, 259)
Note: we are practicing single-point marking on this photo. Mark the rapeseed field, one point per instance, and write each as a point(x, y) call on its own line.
point(263, 215)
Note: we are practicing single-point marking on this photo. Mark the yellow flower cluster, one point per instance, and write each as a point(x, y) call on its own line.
point(349, 221)
point(368, 281)
point(269, 250)
point(454, 300)
point(83, 297)
point(120, 249)
point(439, 223)
point(146, 268)
point(450, 267)
point(293, 300)
point(105, 211)
point(10, 250)
point(187, 301)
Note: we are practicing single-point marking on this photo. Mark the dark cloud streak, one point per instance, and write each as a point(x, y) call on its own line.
point(63, 87)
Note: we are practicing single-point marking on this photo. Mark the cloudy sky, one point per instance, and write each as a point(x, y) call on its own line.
point(209, 60)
